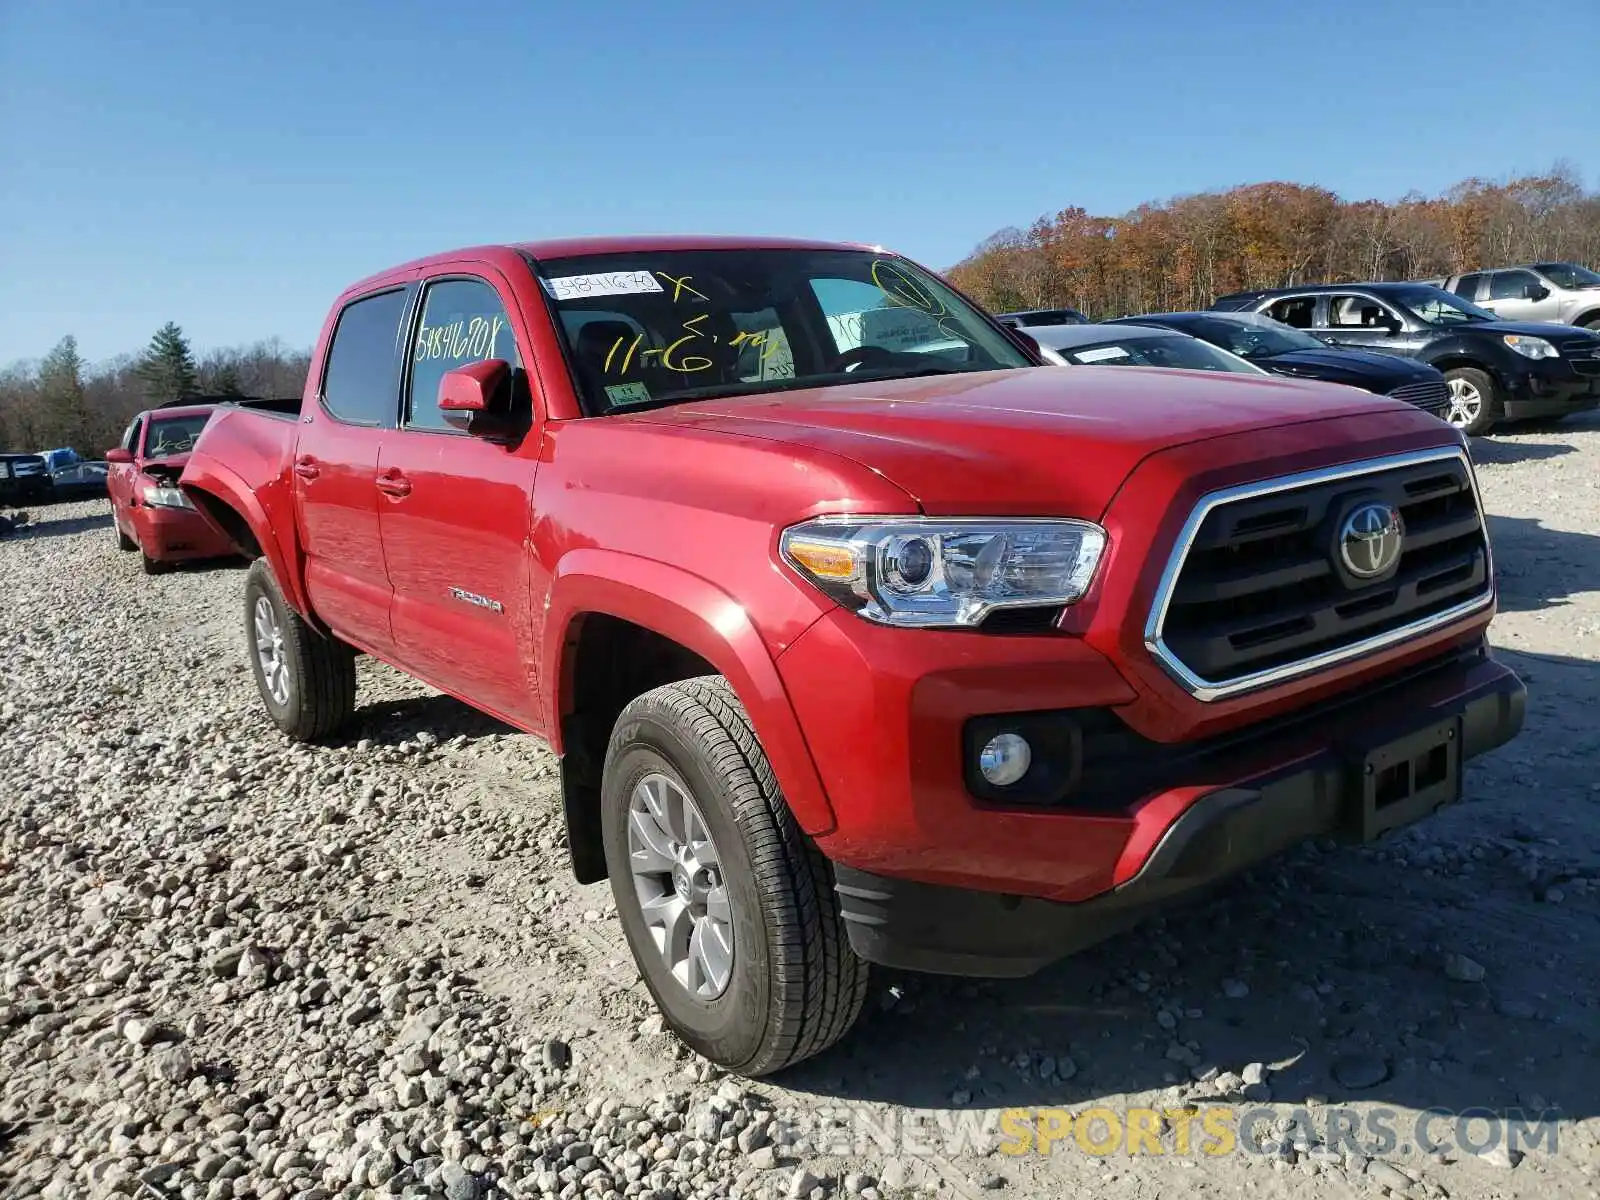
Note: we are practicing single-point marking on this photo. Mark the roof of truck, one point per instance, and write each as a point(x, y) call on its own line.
point(553, 248)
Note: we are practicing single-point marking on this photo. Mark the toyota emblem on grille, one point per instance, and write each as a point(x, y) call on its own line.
point(1369, 539)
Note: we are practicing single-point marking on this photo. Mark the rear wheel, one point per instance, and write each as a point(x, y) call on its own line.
point(727, 907)
point(1474, 404)
point(307, 680)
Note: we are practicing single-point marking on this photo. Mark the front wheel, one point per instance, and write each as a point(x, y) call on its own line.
point(307, 680)
point(124, 542)
point(1474, 405)
point(727, 907)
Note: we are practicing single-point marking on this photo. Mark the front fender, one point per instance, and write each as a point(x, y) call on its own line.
point(703, 618)
point(269, 516)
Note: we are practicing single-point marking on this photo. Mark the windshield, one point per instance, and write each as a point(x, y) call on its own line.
point(174, 435)
point(660, 327)
point(1251, 335)
point(1435, 306)
point(1569, 275)
point(1177, 350)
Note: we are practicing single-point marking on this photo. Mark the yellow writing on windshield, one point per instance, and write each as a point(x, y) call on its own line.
point(754, 338)
point(680, 286)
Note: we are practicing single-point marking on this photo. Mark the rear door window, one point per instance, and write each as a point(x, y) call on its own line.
point(1467, 286)
point(360, 385)
point(1297, 311)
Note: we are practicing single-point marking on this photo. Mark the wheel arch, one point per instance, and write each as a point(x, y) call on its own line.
point(619, 625)
point(236, 512)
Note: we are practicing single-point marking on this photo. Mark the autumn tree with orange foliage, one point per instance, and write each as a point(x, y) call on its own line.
point(1183, 253)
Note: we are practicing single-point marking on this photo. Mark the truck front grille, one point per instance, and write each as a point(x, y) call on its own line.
point(1432, 397)
point(1275, 580)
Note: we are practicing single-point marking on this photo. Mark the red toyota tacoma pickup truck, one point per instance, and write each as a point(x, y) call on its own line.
point(861, 639)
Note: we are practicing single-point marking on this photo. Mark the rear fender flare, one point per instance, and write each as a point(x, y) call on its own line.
point(701, 617)
point(217, 484)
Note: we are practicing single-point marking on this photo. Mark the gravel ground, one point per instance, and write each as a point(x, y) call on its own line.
point(235, 967)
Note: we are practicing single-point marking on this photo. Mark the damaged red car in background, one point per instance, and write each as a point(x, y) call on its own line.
point(148, 512)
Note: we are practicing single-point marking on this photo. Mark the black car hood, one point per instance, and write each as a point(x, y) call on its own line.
point(1556, 335)
point(1360, 368)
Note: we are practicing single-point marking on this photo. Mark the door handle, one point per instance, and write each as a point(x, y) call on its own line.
point(394, 484)
point(306, 467)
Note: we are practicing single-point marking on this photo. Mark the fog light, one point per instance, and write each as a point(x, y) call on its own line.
point(1005, 759)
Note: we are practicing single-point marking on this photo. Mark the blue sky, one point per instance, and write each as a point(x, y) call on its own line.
point(232, 167)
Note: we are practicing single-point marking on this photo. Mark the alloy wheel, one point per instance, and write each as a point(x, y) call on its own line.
point(271, 652)
point(677, 877)
point(1466, 404)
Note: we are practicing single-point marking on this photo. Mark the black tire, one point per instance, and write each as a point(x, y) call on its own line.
point(124, 542)
point(795, 987)
point(153, 566)
point(1488, 408)
point(1591, 322)
point(321, 692)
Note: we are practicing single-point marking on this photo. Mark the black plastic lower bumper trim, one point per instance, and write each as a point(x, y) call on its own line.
point(957, 931)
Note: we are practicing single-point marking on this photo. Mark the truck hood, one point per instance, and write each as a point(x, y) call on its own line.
point(1039, 440)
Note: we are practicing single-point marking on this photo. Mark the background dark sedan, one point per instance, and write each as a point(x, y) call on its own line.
point(1284, 351)
point(1108, 345)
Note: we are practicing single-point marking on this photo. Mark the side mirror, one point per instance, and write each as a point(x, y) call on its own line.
point(1535, 291)
point(118, 455)
point(476, 399)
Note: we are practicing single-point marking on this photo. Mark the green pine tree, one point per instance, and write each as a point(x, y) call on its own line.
point(168, 369)
point(65, 417)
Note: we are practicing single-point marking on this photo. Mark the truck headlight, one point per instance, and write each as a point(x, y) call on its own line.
point(164, 495)
point(1531, 347)
point(947, 572)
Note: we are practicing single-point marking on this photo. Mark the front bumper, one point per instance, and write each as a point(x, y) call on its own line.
point(1235, 812)
point(176, 534)
point(1553, 388)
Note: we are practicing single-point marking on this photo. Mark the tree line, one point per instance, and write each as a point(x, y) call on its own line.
point(1182, 253)
point(1173, 255)
point(61, 400)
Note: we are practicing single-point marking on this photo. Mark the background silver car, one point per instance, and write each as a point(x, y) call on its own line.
point(1551, 291)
